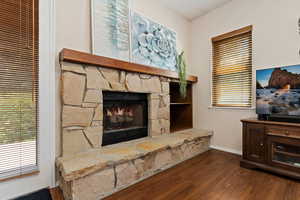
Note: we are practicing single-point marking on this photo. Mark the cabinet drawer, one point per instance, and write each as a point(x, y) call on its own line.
point(283, 131)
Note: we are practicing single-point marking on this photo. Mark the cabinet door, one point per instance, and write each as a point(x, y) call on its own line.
point(255, 142)
point(284, 152)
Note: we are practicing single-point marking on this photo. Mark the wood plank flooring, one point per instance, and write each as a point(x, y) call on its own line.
point(213, 175)
point(56, 194)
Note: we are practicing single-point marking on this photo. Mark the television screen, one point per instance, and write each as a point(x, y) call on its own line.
point(278, 91)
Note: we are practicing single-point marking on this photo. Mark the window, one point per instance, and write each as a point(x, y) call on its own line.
point(232, 69)
point(18, 87)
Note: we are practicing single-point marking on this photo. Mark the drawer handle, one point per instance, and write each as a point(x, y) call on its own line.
point(287, 133)
point(261, 144)
point(282, 133)
point(270, 133)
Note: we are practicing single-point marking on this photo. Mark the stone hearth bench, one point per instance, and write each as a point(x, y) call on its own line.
point(98, 173)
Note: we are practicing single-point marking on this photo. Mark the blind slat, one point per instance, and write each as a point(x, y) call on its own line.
point(232, 69)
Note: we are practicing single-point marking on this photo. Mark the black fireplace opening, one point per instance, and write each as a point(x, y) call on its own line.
point(125, 117)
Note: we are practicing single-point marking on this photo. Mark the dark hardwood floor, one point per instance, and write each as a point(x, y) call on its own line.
point(211, 176)
point(214, 175)
point(56, 194)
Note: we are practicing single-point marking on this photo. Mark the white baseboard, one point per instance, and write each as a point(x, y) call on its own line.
point(226, 150)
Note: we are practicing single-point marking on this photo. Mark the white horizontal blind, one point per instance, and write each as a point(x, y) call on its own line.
point(232, 69)
point(18, 87)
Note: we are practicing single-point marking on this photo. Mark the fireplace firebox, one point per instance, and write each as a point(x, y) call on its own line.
point(125, 117)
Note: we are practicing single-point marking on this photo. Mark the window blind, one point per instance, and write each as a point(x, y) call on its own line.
point(232, 69)
point(18, 87)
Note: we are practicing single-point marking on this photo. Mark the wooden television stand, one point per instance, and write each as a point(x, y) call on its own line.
point(272, 146)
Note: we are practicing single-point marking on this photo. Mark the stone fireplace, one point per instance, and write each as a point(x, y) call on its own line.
point(115, 126)
point(125, 117)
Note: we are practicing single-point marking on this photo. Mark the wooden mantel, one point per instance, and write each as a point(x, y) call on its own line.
point(87, 58)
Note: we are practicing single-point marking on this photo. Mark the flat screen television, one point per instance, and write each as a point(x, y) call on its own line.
point(278, 92)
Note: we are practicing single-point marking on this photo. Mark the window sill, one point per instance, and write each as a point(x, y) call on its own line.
point(30, 173)
point(230, 108)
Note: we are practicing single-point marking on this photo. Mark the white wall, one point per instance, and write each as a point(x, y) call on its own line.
point(275, 42)
point(73, 30)
point(73, 22)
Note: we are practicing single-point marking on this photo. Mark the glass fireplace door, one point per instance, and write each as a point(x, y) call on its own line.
point(125, 117)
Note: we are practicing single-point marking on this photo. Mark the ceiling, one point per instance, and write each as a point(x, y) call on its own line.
point(192, 9)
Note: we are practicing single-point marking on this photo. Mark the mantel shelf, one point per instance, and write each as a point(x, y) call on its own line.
point(90, 59)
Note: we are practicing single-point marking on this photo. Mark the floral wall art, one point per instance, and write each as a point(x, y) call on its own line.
point(144, 41)
point(152, 44)
point(110, 28)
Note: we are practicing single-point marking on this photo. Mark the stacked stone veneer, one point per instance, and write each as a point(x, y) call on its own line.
point(82, 103)
point(88, 171)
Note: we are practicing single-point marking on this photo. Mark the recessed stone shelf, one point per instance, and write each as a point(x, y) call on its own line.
point(100, 172)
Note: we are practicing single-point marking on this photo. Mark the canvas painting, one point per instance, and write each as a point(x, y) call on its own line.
point(152, 44)
point(110, 28)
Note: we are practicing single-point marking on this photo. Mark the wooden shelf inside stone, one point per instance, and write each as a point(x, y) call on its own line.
point(181, 109)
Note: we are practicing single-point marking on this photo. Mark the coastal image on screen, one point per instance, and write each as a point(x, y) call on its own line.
point(278, 91)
